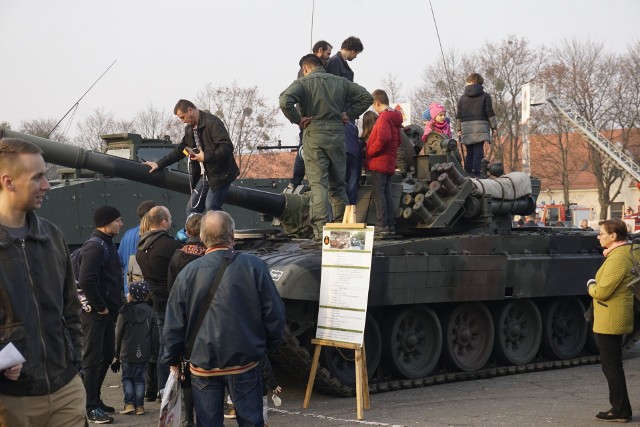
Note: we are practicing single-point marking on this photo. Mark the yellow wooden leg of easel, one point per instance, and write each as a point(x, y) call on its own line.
point(312, 377)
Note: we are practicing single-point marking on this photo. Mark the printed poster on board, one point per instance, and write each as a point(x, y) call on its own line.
point(344, 287)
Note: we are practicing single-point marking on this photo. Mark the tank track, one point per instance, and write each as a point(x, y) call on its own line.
point(297, 361)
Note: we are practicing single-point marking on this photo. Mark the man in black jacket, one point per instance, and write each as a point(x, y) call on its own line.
point(39, 306)
point(349, 50)
point(211, 163)
point(155, 249)
point(100, 278)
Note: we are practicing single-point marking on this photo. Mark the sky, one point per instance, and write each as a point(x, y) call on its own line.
point(51, 52)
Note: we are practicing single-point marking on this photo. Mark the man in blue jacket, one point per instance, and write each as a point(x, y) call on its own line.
point(245, 320)
point(39, 306)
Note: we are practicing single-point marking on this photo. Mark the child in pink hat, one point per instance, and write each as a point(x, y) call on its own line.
point(438, 123)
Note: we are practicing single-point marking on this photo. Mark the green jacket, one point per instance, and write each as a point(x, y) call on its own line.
point(324, 97)
point(612, 299)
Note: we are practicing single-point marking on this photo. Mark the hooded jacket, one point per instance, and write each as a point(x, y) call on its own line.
point(155, 250)
point(39, 309)
point(383, 142)
point(136, 333)
point(219, 163)
point(245, 319)
point(475, 116)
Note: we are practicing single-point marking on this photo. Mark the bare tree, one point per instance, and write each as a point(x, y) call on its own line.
point(441, 84)
point(41, 128)
point(393, 87)
point(99, 123)
point(586, 80)
point(245, 113)
point(556, 157)
point(506, 67)
point(5, 125)
point(155, 123)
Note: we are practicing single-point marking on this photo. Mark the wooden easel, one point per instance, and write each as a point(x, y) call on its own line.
point(362, 379)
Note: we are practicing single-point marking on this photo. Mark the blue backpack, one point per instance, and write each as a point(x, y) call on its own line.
point(76, 258)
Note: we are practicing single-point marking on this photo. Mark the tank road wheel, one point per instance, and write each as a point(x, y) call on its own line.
point(564, 329)
point(413, 341)
point(468, 336)
point(339, 361)
point(518, 332)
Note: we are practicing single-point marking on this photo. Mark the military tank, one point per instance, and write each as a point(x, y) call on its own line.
point(456, 293)
point(81, 189)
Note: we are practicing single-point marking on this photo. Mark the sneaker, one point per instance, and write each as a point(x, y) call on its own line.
point(107, 409)
point(150, 397)
point(231, 414)
point(140, 410)
point(127, 409)
point(98, 416)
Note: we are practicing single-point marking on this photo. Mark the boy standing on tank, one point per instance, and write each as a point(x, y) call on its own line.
point(381, 151)
point(136, 344)
point(475, 122)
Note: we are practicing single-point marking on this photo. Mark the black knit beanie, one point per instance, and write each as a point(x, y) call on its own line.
point(105, 215)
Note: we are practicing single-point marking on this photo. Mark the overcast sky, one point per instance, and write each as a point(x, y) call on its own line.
point(52, 51)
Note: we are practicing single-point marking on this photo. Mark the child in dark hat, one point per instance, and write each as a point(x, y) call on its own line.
point(136, 345)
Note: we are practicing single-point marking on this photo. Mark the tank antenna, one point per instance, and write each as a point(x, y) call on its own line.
point(444, 61)
point(313, 9)
point(80, 99)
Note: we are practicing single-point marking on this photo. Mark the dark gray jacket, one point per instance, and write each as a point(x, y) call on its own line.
point(39, 309)
point(245, 319)
point(475, 116)
point(137, 333)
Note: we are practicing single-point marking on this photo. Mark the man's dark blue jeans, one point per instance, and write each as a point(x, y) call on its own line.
point(205, 199)
point(246, 394)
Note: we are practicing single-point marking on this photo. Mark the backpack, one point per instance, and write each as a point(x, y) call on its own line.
point(134, 273)
point(76, 258)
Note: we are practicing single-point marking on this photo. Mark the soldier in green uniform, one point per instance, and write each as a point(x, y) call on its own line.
point(326, 103)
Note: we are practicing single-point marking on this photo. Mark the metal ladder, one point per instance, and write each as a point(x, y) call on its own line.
point(597, 140)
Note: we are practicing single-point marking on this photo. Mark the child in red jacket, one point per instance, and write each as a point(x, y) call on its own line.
point(382, 147)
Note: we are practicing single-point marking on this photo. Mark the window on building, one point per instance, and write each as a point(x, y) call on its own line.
point(615, 210)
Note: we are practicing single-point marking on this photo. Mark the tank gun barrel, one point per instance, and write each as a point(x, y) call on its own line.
point(79, 158)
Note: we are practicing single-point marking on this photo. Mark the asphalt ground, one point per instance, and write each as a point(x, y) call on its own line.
point(567, 397)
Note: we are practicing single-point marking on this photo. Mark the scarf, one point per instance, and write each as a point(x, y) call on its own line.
point(613, 246)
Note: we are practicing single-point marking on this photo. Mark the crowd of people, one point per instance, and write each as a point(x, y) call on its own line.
point(180, 316)
point(136, 326)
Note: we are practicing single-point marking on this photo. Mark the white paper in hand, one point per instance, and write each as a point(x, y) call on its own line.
point(10, 356)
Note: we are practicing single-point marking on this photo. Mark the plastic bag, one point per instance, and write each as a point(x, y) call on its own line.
point(171, 406)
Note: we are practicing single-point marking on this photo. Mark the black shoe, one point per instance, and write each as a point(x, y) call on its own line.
point(150, 398)
point(107, 409)
point(98, 416)
point(609, 416)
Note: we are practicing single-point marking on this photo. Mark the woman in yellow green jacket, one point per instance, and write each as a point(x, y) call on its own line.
point(613, 313)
